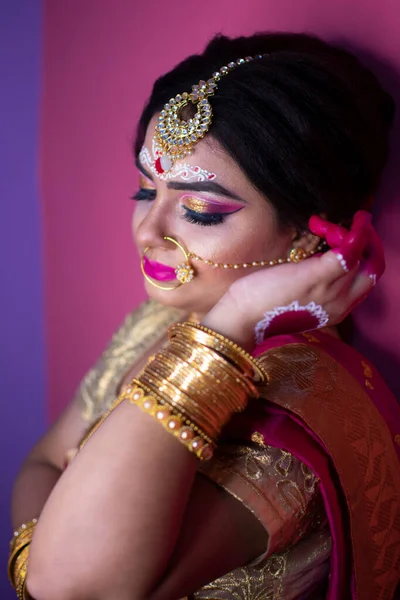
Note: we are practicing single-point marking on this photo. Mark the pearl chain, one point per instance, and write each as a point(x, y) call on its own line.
point(296, 255)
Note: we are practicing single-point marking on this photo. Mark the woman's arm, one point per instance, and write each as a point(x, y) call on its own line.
point(129, 511)
point(43, 466)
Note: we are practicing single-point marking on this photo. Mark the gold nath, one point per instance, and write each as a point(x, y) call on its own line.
point(175, 137)
point(184, 272)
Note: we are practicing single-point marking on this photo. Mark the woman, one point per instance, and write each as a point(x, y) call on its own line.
point(276, 150)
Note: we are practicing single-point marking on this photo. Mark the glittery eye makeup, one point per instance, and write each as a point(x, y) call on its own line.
point(200, 211)
point(145, 183)
point(203, 206)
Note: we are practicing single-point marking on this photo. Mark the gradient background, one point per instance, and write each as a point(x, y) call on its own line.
point(74, 77)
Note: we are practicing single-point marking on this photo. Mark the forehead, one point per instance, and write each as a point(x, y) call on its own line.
point(208, 154)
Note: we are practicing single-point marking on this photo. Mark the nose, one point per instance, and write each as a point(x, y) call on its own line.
point(152, 228)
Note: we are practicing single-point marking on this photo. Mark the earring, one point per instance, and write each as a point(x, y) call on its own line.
point(298, 254)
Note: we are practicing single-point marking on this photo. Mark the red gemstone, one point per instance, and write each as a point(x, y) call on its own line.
point(158, 166)
point(212, 176)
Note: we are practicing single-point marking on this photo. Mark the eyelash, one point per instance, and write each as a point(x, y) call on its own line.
point(190, 216)
point(203, 219)
point(144, 194)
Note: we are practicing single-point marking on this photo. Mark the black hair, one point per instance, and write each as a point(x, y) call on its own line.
point(308, 124)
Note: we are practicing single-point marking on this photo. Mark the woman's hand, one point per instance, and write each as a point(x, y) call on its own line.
point(294, 297)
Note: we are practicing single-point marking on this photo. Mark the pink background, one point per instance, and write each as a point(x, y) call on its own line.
point(101, 57)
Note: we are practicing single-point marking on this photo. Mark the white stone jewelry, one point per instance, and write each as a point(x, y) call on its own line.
point(342, 261)
point(184, 171)
point(313, 309)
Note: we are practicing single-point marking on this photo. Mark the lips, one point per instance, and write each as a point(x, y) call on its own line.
point(158, 271)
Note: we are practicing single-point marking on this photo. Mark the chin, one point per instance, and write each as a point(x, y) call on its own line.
point(181, 298)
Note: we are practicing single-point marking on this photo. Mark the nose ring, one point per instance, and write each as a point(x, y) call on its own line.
point(184, 273)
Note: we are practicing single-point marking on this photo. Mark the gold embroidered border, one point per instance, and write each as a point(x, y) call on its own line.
point(308, 382)
point(272, 484)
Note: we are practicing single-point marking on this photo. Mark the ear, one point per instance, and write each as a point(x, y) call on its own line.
point(305, 240)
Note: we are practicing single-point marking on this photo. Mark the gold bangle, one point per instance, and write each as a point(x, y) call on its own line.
point(20, 569)
point(248, 365)
point(236, 386)
point(149, 392)
point(173, 424)
point(13, 562)
point(213, 364)
point(21, 539)
point(192, 389)
point(25, 593)
point(174, 397)
point(22, 530)
point(199, 382)
point(92, 430)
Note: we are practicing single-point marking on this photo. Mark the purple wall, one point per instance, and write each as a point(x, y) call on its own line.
point(22, 367)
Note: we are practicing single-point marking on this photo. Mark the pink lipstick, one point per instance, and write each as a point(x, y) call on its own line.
point(158, 271)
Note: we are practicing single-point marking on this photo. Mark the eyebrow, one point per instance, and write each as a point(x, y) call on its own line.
point(197, 186)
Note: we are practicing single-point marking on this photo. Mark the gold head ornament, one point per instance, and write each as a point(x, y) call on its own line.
point(175, 137)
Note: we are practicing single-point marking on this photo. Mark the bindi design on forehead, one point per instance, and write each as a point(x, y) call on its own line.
point(186, 172)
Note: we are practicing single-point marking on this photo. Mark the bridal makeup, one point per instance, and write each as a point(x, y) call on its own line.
point(207, 206)
point(185, 171)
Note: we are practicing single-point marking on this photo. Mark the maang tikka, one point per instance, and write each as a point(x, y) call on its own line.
point(174, 137)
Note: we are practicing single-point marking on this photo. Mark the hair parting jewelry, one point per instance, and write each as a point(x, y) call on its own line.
point(174, 137)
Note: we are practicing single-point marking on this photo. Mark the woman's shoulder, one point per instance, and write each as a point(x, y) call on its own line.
point(138, 332)
point(148, 317)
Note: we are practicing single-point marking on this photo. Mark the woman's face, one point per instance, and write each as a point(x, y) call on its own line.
point(222, 218)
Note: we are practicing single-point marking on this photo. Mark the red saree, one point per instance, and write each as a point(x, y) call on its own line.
point(327, 406)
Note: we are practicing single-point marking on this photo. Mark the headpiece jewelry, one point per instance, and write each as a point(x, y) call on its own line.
point(175, 137)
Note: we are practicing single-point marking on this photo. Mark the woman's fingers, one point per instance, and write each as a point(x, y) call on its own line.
point(371, 268)
point(333, 234)
point(373, 263)
point(350, 251)
point(347, 246)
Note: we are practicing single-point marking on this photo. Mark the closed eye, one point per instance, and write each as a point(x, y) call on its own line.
point(202, 218)
point(144, 194)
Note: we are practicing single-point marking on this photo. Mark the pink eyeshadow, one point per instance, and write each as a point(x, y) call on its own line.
point(206, 206)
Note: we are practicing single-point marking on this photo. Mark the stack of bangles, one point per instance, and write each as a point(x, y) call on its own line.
point(18, 560)
point(192, 388)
